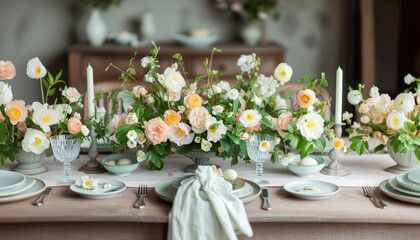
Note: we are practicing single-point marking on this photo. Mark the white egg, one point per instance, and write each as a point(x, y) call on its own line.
point(124, 161)
point(110, 162)
point(308, 161)
point(230, 174)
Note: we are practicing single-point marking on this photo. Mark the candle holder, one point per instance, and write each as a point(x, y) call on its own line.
point(93, 166)
point(335, 168)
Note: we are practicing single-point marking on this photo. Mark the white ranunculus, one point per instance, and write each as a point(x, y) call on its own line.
point(180, 134)
point(131, 144)
point(63, 109)
point(132, 119)
point(132, 135)
point(247, 63)
point(264, 146)
point(250, 118)
point(146, 61)
point(281, 103)
point(173, 80)
point(113, 124)
point(225, 86)
point(85, 130)
point(266, 86)
point(373, 101)
point(354, 97)
point(77, 115)
point(35, 141)
point(233, 94)
point(383, 104)
point(310, 125)
point(257, 100)
point(217, 109)
point(408, 79)
point(404, 103)
point(6, 94)
point(395, 120)
point(347, 116)
point(71, 94)
point(283, 73)
point(35, 69)
point(141, 156)
point(45, 117)
point(197, 139)
point(149, 78)
point(216, 89)
point(100, 113)
point(374, 92)
point(213, 134)
point(205, 145)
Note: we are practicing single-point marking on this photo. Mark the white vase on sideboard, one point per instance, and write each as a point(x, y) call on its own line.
point(96, 28)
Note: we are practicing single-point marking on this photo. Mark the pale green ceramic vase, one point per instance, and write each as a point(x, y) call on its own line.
point(405, 161)
point(30, 163)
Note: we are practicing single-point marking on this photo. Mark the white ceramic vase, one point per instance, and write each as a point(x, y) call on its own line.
point(96, 28)
point(199, 158)
point(251, 33)
point(148, 28)
point(30, 163)
point(405, 161)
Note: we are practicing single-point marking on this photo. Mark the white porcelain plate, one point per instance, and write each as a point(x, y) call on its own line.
point(10, 179)
point(18, 189)
point(100, 193)
point(297, 189)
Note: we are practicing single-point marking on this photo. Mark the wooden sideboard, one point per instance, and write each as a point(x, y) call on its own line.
point(79, 56)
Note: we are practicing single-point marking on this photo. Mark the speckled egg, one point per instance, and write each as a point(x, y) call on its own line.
point(124, 161)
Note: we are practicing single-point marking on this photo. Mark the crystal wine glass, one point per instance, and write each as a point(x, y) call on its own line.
point(65, 150)
point(259, 150)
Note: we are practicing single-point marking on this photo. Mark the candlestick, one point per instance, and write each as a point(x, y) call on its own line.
point(335, 168)
point(90, 91)
point(339, 96)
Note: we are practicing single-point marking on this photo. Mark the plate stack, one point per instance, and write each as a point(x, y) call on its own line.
point(15, 186)
point(404, 187)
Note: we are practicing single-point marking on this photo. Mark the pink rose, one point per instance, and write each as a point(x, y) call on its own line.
point(253, 129)
point(74, 125)
point(7, 70)
point(305, 98)
point(282, 122)
point(157, 130)
point(197, 118)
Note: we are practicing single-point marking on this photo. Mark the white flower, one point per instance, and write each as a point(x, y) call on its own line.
point(141, 156)
point(35, 141)
point(404, 103)
point(77, 115)
point(354, 97)
point(215, 89)
point(250, 118)
point(374, 91)
point(233, 94)
point(85, 130)
point(347, 116)
point(215, 129)
point(286, 159)
point(310, 125)
point(206, 145)
point(150, 100)
point(100, 113)
point(283, 73)
point(264, 146)
point(217, 109)
point(355, 125)
point(180, 134)
point(45, 117)
point(113, 124)
point(149, 78)
point(6, 94)
point(88, 182)
point(173, 80)
point(257, 100)
point(395, 120)
point(197, 139)
point(372, 101)
point(193, 86)
point(181, 109)
point(383, 104)
point(225, 86)
point(146, 61)
point(266, 86)
point(71, 94)
point(281, 103)
point(35, 69)
point(63, 109)
point(131, 144)
point(310, 108)
point(247, 63)
point(132, 119)
point(408, 79)
point(244, 135)
point(139, 91)
point(132, 135)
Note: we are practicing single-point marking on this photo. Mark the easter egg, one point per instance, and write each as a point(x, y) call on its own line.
point(230, 174)
point(308, 161)
point(124, 161)
point(110, 162)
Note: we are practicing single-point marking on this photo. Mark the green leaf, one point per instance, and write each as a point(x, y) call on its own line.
point(379, 148)
point(126, 98)
point(318, 144)
point(155, 163)
point(291, 126)
point(417, 153)
point(360, 148)
point(160, 149)
point(139, 111)
point(295, 141)
point(184, 149)
point(51, 92)
point(267, 123)
point(234, 138)
point(225, 145)
point(122, 133)
point(58, 76)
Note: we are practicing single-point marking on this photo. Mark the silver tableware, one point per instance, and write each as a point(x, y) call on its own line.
point(141, 193)
point(266, 205)
point(367, 192)
point(40, 200)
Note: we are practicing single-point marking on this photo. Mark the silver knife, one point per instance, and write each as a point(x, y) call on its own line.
point(266, 205)
point(40, 200)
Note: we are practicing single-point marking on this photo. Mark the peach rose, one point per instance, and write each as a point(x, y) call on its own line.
point(220, 149)
point(22, 126)
point(142, 139)
point(16, 111)
point(367, 128)
point(74, 125)
point(193, 100)
point(384, 139)
point(363, 108)
point(305, 98)
point(282, 122)
point(48, 134)
point(7, 70)
point(255, 128)
point(157, 131)
point(378, 119)
point(377, 135)
point(131, 119)
point(172, 117)
point(364, 119)
point(365, 138)
point(197, 118)
point(418, 99)
point(390, 131)
point(122, 121)
point(139, 91)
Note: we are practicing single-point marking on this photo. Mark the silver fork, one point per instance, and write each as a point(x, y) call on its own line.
point(141, 193)
point(367, 191)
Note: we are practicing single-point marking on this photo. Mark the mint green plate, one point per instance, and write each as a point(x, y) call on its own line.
point(395, 185)
point(37, 188)
point(387, 189)
point(405, 182)
point(166, 191)
point(10, 179)
point(414, 176)
point(18, 189)
point(296, 189)
point(100, 193)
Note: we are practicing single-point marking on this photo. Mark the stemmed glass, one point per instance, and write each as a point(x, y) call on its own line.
point(259, 150)
point(65, 150)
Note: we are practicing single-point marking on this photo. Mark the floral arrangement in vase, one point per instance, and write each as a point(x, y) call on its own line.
point(206, 114)
point(30, 126)
point(385, 119)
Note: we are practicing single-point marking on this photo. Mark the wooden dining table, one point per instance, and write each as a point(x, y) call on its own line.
point(346, 215)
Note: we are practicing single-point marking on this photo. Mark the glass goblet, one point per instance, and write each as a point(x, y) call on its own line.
point(259, 150)
point(65, 150)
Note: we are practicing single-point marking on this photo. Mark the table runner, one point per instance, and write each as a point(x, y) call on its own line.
point(368, 169)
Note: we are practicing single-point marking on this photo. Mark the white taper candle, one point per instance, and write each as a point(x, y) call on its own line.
point(90, 91)
point(339, 96)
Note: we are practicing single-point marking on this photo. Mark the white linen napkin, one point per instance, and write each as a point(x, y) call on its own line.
point(205, 208)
